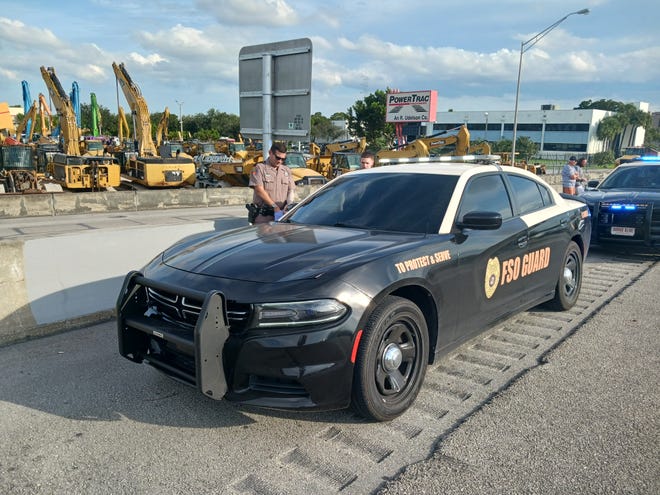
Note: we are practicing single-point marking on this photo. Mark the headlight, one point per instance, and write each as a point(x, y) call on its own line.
point(288, 314)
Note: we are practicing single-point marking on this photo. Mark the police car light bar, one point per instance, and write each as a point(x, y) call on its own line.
point(435, 159)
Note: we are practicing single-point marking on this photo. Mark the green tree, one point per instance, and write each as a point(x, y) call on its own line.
point(502, 146)
point(624, 123)
point(608, 129)
point(322, 129)
point(526, 147)
point(366, 118)
point(652, 137)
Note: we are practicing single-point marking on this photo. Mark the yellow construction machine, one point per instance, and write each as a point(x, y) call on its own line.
point(536, 168)
point(336, 158)
point(72, 169)
point(454, 142)
point(302, 174)
point(23, 127)
point(146, 165)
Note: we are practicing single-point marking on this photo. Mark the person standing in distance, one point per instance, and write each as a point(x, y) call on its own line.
point(273, 184)
point(583, 178)
point(569, 174)
point(367, 159)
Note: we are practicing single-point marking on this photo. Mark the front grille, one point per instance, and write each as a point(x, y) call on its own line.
point(638, 216)
point(184, 311)
point(279, 386)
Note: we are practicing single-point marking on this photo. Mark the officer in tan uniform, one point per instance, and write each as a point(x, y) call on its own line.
point(273, 185)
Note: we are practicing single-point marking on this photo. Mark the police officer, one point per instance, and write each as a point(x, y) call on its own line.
point(273, 184)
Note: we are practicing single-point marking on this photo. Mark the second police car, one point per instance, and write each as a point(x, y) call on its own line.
point(361, 286)
point(625, 206)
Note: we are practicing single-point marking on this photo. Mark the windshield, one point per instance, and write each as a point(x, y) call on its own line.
point(395, 202)
point(295, 160)
point(637, 177)
point(353, 161)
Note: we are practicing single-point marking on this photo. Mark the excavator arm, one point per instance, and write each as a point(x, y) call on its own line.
point(124, 131)
point(44, 110)
point(23, 127)
point(161, 131)
point(139, 107)
point(68, 125)
point(348, 145)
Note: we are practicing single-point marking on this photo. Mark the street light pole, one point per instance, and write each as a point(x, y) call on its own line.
point(524, 46)
point(180, 103)
point(486, 128)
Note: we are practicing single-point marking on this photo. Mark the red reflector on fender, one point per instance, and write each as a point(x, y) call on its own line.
point(356, 343)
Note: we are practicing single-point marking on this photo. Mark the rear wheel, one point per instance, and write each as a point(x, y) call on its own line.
point(391, 360)
point(570, 279)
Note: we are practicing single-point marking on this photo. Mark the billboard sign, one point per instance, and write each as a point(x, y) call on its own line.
point(413, 106)
point(275, 81)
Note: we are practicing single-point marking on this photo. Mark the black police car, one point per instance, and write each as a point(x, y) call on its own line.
point(357, 289)
point(625, 206)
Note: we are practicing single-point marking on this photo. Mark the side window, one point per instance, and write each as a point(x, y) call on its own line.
point(545, 194)
point(486, 193)
point(527, 194)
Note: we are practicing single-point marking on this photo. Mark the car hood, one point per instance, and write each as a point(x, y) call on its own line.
point(279, 252)
point(621, 195)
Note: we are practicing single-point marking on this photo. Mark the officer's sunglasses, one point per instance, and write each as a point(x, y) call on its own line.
point(280, 158)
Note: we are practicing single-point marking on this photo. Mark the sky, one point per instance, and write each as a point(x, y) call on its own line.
point(183, 54)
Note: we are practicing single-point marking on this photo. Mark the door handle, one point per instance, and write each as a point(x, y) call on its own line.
point(522, 241)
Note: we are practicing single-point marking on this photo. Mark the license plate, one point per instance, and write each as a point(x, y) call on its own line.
point(628, 231)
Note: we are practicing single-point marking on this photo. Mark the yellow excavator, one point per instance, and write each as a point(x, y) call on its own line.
point(336, 158)
point(166, 167)
point(30, 116)
point(44, 111)
point(161, 130)
point(455, 142)
point(237, 162)
point(71, 169)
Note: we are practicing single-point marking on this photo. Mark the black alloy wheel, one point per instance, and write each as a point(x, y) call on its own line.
point(569, 279)
point(391, 361)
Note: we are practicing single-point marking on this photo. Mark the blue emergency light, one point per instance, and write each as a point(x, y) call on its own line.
point(619, 207)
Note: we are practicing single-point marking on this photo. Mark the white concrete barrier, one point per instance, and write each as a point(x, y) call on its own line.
point(56, 283)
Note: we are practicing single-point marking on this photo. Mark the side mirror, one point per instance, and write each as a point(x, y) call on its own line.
point(593, 184)
point(480, 220)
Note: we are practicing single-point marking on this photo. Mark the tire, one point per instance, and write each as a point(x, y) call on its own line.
point(569, 280)
point(391, 360)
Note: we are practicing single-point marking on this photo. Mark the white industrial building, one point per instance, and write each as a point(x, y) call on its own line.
point(558, 132)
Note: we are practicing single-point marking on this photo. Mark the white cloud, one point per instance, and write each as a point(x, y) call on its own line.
point(149, 60)
point(251, 12)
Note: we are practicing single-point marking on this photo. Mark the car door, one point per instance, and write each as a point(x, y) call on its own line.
point(489, 260)
point(548, 236)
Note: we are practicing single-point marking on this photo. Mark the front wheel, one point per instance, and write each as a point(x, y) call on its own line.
point(391, 360)
point(569, 280)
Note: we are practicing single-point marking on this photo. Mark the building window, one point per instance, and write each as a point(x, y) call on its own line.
point(567, 127)
point(576, 147)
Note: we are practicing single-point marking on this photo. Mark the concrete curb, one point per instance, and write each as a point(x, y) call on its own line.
point(67, 203)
